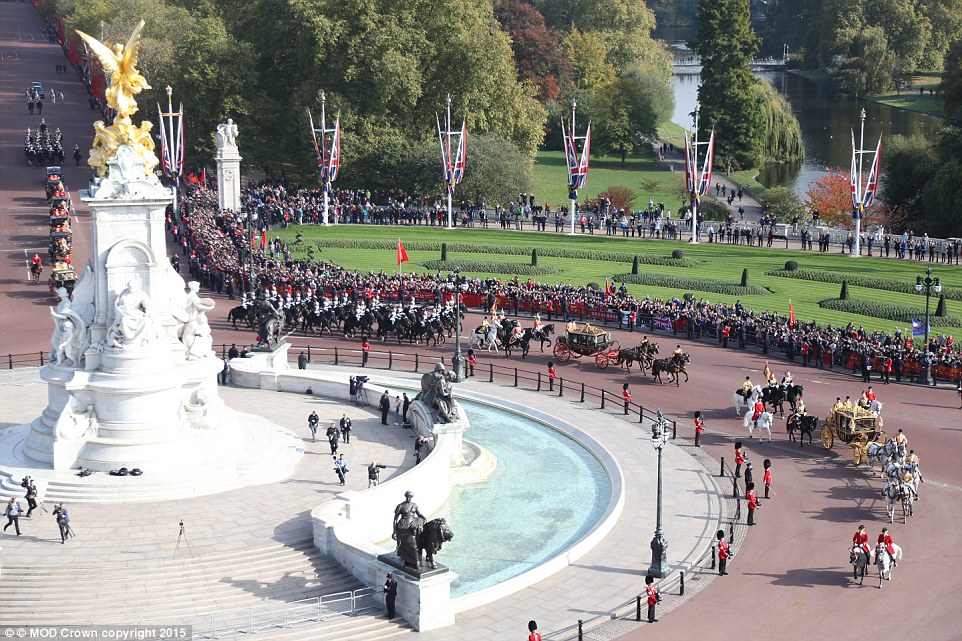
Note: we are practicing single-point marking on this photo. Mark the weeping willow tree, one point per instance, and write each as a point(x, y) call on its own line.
point(781, 133)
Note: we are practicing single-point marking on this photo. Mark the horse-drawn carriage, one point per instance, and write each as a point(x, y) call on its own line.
point(584, 339)
point(54, 181)
point(856, 426)
point(65, 278)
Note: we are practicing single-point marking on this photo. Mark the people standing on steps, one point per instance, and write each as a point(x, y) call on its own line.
point(13, 512)
point(31, 497)
point(390, 595)
point(63, 522)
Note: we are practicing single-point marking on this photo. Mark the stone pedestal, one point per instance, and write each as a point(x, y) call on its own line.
point(228, 167)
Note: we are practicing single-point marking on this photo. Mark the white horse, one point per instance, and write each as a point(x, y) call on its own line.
point(884, 562)
point(764, 422)
point(490, 338)
point(740, 401)
point(892, 493)
point(875, 407)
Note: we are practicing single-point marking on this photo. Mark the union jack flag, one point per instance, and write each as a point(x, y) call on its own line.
point(853, 177)
point(872, 185)
point(577, 167)
point(689, 166)
point(334, 158)
point(705, 185)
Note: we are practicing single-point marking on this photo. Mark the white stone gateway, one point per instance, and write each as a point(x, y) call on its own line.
point(228, 167)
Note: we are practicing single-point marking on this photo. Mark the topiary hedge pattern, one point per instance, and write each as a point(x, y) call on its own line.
point(691, 282)
point(678, 254)
point(791, 266)
point(855, 280)
point(888, 311)
point(488, 267)
point(467, 248)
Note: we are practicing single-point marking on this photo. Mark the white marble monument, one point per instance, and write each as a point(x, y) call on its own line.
point(228, 166)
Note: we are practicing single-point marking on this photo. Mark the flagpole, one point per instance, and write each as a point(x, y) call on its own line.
point(861, 209)
point(696, 182)
point(450, 168)
point(324, 170)
point(572, 192)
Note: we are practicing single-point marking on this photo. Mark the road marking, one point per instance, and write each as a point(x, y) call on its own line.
point(809, 380)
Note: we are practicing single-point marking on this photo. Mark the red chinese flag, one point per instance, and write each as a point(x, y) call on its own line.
point(402, 255)
point(791, 314)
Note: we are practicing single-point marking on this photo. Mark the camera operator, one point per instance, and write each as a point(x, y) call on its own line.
point(63, 521)
point(31, 495)
point(374, 473)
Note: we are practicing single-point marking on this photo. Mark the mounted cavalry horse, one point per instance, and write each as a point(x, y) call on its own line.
point(741, 399)
point(644, 355)
point(895, 491)
point(673, 366)
point(884, 562)
point(541, 334)
point(487, 339)
point(859, 559)
point(805, 424)
point(763, 422)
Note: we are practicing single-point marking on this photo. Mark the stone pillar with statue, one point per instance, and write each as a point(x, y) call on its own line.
point(228, 167)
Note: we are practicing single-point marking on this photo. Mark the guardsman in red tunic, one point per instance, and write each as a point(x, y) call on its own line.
point(533, 635)
point(861, 539)
point(723, 553)
point(886, 539)
point(739, 459)
point(626, 393)
point(472, 362)
point(759, 409)
point(699, 428)
point(752, 503)
point(552, 374)
point(652, 593)
point(767, 464)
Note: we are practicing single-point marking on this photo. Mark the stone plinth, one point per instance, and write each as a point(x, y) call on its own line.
point(228, 167)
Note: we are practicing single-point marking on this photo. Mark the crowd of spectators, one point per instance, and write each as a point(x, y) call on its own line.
point(220, 250)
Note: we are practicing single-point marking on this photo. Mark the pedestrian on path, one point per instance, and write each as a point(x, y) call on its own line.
point(397, 410)
point(653, 597)
point(340, 468)
point(390, 595)
point(312, 422)
point(767, 464)
point(385, 406)
point(374, 473)
point(699, 428)
point(723, 553)
point(13, 512)
point(332, 437)
point(345, 426)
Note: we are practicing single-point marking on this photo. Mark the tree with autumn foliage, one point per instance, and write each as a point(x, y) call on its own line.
point(831, 197)
point(535, 48)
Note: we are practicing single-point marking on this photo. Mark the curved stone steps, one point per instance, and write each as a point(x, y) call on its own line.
point(268, 454)
point(178, 589)
point(364, 627)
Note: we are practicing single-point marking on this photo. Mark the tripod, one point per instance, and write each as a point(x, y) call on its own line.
point(182, 535)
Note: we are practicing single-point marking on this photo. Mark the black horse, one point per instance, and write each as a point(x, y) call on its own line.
point(240, 313)
point(774, 395)
point(673, 366)
point(805, 424)
point(793, 393)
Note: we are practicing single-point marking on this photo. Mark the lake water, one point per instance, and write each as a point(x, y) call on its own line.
point(826, 119)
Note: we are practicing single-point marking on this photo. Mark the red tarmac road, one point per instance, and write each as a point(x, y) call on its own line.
point(791, 579)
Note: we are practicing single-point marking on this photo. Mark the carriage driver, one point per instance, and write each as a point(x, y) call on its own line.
point(861, 540)
point(901, 438)
point(644, 343)
point(679, 352)
point(537, 323)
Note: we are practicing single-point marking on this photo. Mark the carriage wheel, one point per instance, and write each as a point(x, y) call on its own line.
point(601, 360)
point(827, 437)
point(614, 346)
point(561, 352)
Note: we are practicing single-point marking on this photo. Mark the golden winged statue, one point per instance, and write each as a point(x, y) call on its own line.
point(120, 63)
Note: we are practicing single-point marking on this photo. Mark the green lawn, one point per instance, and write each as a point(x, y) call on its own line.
point(550, 179)
point(720, 262)
point(912, 101)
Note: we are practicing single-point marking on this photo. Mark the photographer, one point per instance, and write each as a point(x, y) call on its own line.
point(374, 473)
point(340, 468)
point(31, 495)
point(63, 522)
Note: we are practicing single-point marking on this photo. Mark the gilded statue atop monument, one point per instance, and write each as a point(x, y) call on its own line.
point(120, 64)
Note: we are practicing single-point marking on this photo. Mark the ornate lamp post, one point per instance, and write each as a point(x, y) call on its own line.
point(457, 361)
point(659, 545)
point(929, 284)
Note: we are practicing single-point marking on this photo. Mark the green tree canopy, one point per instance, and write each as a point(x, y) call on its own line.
point(781, 133)
point(951, 87)
point(730, 103)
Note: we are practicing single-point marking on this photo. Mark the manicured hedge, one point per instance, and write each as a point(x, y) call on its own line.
point(488, 267)
point(855, 280)
point(889, 311)
point(468, 248)
point(691, 282)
